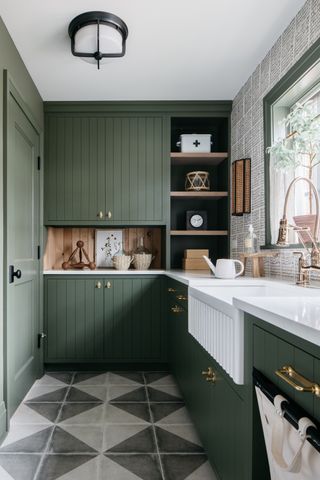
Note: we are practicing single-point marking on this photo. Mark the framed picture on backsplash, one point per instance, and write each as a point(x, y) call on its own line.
point(108, 243)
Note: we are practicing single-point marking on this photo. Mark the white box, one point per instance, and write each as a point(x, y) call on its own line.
point(195, 143)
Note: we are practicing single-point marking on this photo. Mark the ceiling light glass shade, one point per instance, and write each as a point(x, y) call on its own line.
point(98, 35)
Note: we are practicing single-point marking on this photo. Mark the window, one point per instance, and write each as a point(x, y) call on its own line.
point(300, 87)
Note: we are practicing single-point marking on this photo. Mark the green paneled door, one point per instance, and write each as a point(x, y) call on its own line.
point(116, 319)
point(106, 170)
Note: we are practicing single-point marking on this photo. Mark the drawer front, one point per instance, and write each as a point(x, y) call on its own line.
point(178, 292)
point(271, 353)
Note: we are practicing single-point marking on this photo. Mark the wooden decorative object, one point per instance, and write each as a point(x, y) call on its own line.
point(78, 265)
point(241, 187)
point(257, 262)
point(197, 181)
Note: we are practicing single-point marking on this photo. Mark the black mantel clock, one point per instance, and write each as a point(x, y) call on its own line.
point(196, 220)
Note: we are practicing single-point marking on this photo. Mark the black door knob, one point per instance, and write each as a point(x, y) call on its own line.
point(14, 273)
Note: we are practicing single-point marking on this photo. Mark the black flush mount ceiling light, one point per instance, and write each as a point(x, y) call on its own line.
point(98, 35)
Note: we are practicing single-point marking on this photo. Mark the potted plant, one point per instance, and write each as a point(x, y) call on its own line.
point(300, 147)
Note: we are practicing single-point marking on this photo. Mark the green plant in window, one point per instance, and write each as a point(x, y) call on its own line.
point(301, 145)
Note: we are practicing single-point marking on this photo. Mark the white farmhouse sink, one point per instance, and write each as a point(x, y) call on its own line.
point(218, 325)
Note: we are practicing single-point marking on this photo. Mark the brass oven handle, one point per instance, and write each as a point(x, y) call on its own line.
point(297, 381)
point(171, 290)
point(209, 375)
point(181, 297)
point(176, 309)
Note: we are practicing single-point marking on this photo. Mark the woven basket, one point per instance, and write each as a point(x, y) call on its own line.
point(142, 261)
point(197, 181)
point(122, 262)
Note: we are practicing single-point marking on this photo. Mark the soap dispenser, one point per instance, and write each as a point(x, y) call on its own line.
point(251, 241)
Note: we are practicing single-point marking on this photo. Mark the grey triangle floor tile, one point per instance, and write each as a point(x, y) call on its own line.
point(70, 410)
point(156, 376)
point(65, 377)
point(76, 395)
point(132, 376)
point(180, 467)
point(170, 443)
point(55, 396)
point(141, 442)
point(90, 378)
point(20, 467)
point(47, 410)
point(55, 466)
point(139, 410)
point(156, 395)
point(145, 467)
point(64, 442)
point(34, 443)
point(162, 410)
point(136, 395)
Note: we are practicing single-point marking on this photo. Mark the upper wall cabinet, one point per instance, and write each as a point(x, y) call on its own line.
point(106, 169)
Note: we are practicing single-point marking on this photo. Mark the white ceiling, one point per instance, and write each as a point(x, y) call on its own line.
point(176, 49)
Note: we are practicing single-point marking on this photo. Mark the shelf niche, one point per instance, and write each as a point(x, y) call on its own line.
point(62, 241)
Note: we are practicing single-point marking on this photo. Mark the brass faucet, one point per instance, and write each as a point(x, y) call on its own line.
point(304, 267)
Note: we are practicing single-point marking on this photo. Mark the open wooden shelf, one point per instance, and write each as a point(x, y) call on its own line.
point(202, 195)
point(213, 158)
point(209, 233)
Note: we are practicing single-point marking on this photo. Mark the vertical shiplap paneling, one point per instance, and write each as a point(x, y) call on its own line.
point(51, 319)
point(125, 192)
point(85, 170)
point(133, 171)
point(60, 162)
point(142, 166)
point(101, 185)
point(98, 320)
point(93, 172)
point(71, 302)
point(77, 167)
point(61, 319)
point(117, 165)
point(158, 160)
point(109, 162)
point(50, 165)
point(150, 180)
point(80, 315)
point(68, 169)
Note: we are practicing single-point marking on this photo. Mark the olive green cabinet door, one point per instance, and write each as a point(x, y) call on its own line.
point(74, 319)
point(106, 170)
point(134, 327)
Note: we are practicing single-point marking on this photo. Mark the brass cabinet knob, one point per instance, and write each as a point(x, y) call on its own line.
point(176, 309)
point(98, 285)
point(181, 297)
point(100, 214)
point(171, 290)
point(109, 214)
point(209, 375)
point(108, 285)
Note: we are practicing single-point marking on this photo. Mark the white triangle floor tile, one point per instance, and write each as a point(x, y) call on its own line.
point(167, 380)
point(204, 472)
point(94, 416)
point(50, 381)
point(114, 379)
point(187, 432)
point(115, 434)
point(115, 391)
point(39, 390)
point(18, 432)
point(97, 391)
point(95, 379)
point(89, 470)
point(92, 436)
point(116, 415)
point(25, 415)
point(110, 470)
point(4, 475)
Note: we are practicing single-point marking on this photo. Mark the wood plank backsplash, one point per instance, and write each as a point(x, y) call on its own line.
point(62, 241)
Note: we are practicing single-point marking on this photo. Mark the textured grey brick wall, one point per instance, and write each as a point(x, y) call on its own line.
point(247, 126)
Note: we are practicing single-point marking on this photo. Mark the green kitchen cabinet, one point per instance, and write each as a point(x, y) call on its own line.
point(106, 170)
point(104, 319)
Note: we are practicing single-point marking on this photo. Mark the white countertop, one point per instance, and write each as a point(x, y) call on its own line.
point(104, 271)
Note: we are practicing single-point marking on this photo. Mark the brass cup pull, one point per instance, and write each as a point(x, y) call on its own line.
point(98, 285)
point(297, 381)
point(109, 214)
point(209, 375)
point(171, 290)
point(176, 309)
point(181, 297)
point(100, 214)
point(108, 285)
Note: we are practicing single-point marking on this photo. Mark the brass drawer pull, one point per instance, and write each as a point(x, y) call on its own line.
point(209, 375)
point(297, 381)
point(108, 285)
point(109, 214)
point(171, 290)
point(181, 297)
point(176, 309)
point(100, 214)
point(98, 285)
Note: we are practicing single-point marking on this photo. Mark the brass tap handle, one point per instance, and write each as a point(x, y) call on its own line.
point(181, 297)
point(297, 381)
point(100, 214)
point(98, 285)
point(109, 214)
point(108, 285)
point(176, 309)
point(209, 375)
point(171, 290)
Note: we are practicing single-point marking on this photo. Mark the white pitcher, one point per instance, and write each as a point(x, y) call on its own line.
point(225, 267)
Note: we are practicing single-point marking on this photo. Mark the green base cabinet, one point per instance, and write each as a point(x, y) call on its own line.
point(105, 319)
point(217, 409)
